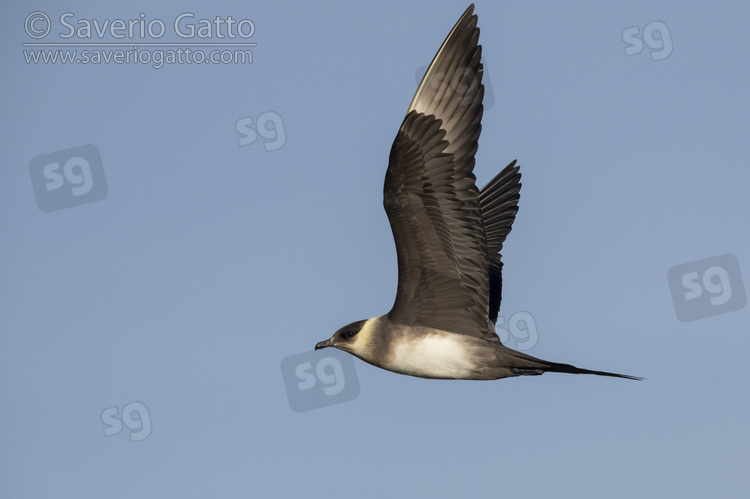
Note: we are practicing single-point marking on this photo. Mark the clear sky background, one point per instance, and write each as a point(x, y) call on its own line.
point(208, 262)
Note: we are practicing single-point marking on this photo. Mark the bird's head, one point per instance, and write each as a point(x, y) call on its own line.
point(353, 338)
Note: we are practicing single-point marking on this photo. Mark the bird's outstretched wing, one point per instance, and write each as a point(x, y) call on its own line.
point(431, 198)
point(498, 201)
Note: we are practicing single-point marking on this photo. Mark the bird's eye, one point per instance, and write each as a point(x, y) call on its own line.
point(348, 335)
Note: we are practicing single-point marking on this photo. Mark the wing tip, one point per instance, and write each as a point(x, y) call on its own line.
point(467, 23)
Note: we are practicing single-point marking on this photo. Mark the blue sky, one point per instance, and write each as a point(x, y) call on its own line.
point(206, 263)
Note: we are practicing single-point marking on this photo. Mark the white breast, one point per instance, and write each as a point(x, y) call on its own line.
point(433, 356)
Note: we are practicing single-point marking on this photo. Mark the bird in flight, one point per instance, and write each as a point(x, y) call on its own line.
point(448, 236)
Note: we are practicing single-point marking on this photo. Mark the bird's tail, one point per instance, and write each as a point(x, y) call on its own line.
point(567, 368)
point(526, 365)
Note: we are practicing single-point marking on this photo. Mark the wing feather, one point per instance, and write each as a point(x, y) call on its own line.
point(499, 203)
point(431, 198)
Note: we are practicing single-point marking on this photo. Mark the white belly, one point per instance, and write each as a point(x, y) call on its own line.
point(433, 356)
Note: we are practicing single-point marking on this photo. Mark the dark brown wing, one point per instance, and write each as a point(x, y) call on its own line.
point(499, 204)
point(431, 197)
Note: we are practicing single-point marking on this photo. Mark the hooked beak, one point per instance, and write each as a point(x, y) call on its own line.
point(324, 344)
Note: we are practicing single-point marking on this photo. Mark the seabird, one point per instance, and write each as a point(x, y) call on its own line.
point(448, 236)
